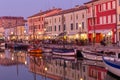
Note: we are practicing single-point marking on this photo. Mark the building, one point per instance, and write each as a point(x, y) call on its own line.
point(37, 23)
point(101, 20)
point(118, 19)
point(10, 23)
point(71, 21)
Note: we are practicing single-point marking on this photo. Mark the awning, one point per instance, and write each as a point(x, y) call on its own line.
point(103, 31)
point(62, 34)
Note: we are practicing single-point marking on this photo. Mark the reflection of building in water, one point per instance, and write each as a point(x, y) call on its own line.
point(66, 69)
point(12, 58)
point(97, 73)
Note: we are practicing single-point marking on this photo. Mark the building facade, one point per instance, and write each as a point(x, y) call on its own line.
point(37, 23)
point(118, 19)
point(72, 21)
point(101, 20)
point(10, 23)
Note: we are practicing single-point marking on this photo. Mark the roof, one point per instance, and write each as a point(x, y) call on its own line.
point(69, 10)
point(44, 12)
point(91, 1)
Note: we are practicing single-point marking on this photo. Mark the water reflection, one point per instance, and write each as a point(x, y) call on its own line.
point(19, 65)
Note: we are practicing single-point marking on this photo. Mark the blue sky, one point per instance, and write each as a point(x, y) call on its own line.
point(27, 8)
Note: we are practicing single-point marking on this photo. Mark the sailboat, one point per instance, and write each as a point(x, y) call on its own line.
point(34, 49)
point(63, 51)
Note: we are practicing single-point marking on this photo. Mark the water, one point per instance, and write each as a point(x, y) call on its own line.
point(19, 65)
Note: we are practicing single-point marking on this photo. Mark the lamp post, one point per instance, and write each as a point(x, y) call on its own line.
point(24, 34)
point(80, 26)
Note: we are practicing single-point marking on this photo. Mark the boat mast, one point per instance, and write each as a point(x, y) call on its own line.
point(63, 20)
point(93, 21)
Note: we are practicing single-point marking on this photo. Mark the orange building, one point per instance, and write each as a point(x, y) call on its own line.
point(37, 23)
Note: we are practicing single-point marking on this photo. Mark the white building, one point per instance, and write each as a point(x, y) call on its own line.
point(72, 21)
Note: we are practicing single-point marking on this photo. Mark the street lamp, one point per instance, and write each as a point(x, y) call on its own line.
point(80, 26)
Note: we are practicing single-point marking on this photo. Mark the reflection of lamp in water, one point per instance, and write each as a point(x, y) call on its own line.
point(25, 62)
point(45, 72)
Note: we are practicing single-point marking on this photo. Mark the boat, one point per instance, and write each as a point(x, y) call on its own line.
point(112, 63)
point(34, 50)
point(92, 55)
point(63, 52)
point(47, 50)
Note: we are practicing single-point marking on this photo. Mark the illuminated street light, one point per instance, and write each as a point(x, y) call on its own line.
point(80, 26)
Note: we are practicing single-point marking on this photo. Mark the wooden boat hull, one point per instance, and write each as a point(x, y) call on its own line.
point(91, 56)
point(64, 52)
point(35, 51)
point(112, 65)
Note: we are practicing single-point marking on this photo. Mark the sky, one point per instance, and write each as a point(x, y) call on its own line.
point(27, 8)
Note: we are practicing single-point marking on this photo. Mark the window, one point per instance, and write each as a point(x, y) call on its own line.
point(119, 2)
point(119, 17)
point(104, 7)
point(59, 27)
point(76, 26)
point(76, 16)
point(83, 15)
point(71, 26)
point(99, 8)
point(55, 28)
point(64, 28)
point(59, 19)
point(55, 20)
point(114, 18)
point(109, 6)
point(100, 20)
point(104, 20)
point(109, 19)
point(71, 17)
point(83, 25)
point(113, 5)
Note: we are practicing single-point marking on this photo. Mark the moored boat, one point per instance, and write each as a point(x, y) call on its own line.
point(112, 63)
point(63, 52)
point(47, 50)
point(91, 55)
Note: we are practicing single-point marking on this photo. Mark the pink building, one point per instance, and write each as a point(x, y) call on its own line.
point(37, 23)
point(101, 20)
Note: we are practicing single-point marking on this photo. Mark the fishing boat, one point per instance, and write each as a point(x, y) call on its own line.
point(112, 63)
point(64, 52)
point(92, 55)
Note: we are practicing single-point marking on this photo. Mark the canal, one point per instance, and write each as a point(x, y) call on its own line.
point(19, 65)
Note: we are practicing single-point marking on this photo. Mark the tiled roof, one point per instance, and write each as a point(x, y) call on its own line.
point(11, 17)
point(91, 1)
point(69, 10)
point(44, 12)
